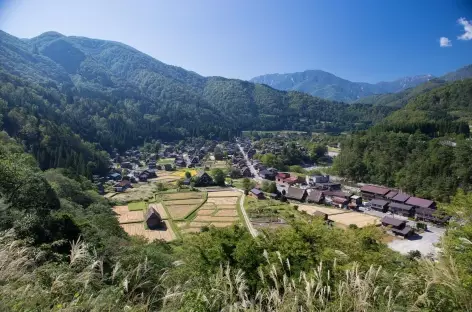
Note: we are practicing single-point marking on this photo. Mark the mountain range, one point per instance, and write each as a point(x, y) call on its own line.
point(328, 86)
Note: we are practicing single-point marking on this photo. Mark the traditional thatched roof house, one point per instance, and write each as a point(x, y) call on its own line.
point(315, 196)
point(203, 179)
point(296, 194)
point(153, 218)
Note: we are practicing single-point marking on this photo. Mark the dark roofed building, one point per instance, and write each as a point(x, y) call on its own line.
point(203, 179)
point(389, 221)
point(401, 209)
point(339, 201)
point(266, 174)
point(337, 194)
point(379, 204)
point(296, 194)
point(257, 193)
point(420, 202)
point(391, 194)
point(315, 196)
point(372, 191)
point(398, 226)
point(431, 215)
point(400, 198)
point(153, 218)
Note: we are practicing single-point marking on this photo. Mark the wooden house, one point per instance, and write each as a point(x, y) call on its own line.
point(371, 191)
point(256, 193)
point(401, 209)
point(379, 204)
point(398, 227)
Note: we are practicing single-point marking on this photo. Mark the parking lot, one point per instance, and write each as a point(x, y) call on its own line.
point(423, 242)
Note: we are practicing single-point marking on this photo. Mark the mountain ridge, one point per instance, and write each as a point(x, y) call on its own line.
point(329, 86)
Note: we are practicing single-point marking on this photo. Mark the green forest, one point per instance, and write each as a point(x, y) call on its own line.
point(424, 148)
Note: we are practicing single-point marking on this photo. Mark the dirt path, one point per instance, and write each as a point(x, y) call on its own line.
point(249, 226)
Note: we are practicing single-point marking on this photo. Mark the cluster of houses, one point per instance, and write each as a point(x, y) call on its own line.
point(385, 199)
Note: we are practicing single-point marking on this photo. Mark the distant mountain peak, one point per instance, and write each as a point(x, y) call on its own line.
point(329, 86)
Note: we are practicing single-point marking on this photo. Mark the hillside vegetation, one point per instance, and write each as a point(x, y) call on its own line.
point(61, 248)
point(422, 148)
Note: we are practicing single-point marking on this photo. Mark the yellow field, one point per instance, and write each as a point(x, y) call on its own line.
point(181, 174)
point(139, 229)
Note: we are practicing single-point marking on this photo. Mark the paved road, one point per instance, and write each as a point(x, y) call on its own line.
point(249, 226)
point(249, 164)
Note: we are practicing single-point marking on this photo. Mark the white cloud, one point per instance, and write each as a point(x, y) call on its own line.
point(467, 35)
point(444, 42)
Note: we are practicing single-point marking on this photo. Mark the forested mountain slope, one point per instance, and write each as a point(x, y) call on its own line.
point(422, 148)
point(106, 87)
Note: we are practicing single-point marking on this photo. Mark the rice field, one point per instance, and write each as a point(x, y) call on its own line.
point(138, 229)
point(126, 216)
point(135, 206)
point(192, 201)
point(219, 210)
point(181, 195)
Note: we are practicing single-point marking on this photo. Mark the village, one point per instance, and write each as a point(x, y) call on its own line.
point(178, 190)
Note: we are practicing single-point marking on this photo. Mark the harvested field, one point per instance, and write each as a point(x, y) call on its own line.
point(120, 209)
point(223, 194)
point(181, 224)
point(223, 200)
point(357, 218)
point(138, 229)
point(194, 201)
point(181, 195)
point(226, 207)
point(205, 212)
point(329, 211)
point(208, 206)
point(191, 230)
point(226, 213)
point(221, 224)
point(126, 216)
point(216, 219)
point(180, 211)
point(198, 224)
point(166, 179)
point(160, 209)
point(138, 192)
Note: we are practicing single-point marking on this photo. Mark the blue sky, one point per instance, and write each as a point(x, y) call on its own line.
point(360, 40)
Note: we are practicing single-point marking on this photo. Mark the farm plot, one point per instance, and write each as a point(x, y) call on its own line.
point(126, 216)
point(220, 210)
point(181, 205)
point(357, 218)
point(223, 194)
point(310, 209)
point(138, 229)
point(137, 193)
point(181, 195)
